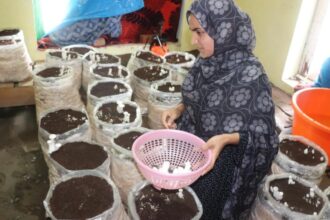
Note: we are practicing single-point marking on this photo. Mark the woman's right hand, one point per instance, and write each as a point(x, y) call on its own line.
point(169, 116)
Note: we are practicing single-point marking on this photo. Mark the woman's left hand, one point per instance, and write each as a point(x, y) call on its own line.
point(216, 144)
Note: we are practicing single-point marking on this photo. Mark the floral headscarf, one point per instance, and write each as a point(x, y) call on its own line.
point(229, 26)
point(225, 93)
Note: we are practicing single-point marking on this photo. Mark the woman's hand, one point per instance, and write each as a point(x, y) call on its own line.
point(216, 144)
point(169, 116)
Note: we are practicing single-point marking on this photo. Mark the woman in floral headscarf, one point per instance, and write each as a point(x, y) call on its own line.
point(227, 102)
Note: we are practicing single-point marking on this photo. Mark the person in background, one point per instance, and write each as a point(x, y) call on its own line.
point(91, 22)
point(227, 101)
point(323, 80)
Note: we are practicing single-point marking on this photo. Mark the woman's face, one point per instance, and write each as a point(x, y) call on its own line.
point(200, 38)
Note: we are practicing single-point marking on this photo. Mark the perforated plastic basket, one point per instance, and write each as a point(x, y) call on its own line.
point(153, 148)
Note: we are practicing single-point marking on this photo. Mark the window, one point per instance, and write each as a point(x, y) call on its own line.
point(314, 48)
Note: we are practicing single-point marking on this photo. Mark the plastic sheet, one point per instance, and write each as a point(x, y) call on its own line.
point(116, 212)
point(124, 171)
point(15, 61)
point(65, 60)
point(139, 186)
point(266, 207)
point(56, 92)
point(283, 163)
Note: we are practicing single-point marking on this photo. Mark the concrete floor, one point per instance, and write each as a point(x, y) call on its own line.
point(23, 172)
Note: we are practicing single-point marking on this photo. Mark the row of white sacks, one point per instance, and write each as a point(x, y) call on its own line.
point(67, 86)
point(122, 169)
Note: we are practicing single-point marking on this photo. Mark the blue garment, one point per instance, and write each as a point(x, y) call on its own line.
point(87, 31)
point(323, 79)
point(226, 93)
point(79, 10)
point(87, 20)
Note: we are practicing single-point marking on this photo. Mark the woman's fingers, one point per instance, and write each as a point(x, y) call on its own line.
point(165, 119)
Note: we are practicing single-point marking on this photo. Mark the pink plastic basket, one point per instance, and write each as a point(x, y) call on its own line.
point(153, 148)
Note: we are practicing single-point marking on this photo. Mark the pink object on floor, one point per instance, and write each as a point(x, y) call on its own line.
point(155, 147)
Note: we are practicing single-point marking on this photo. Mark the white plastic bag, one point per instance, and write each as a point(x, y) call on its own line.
point(123, 73)
point(135, 62)
point(15, 61)
point(59, 170)
point(56, 92)
point(160, 101)
point(95, 58)
point(266, 207)
point(141, 87)
point(81, 133)
point(283, 163)
point(180, 70)
point(124, 171)
point(139, 186)
point(61, 58)
point(116, 212)
point(105, 130)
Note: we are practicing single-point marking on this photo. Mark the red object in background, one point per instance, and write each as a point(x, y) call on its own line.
point(160, 50)
point(155, 14)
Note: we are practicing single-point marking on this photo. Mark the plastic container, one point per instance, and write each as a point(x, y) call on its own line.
point(154, 148)
point(312, 116)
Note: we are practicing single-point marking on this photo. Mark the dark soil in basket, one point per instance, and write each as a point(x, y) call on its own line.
point(81, 198)
point(80, 156)
point(108, 113)
point(67, 56)
point(151, 73)
point(62, 121)
point(80, 50)
point(301, 152)
point(177, 59)
point(102, 89)
point(110, 72)
point(8, 42)
point(126, 140)
point(297, 196)
point(169, 87)
point(102, 58)
point(152, 204)
point(53, 72)
point(148, 56)
point(8, 32)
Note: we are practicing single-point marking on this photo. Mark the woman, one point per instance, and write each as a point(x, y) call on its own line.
point(227, 102)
